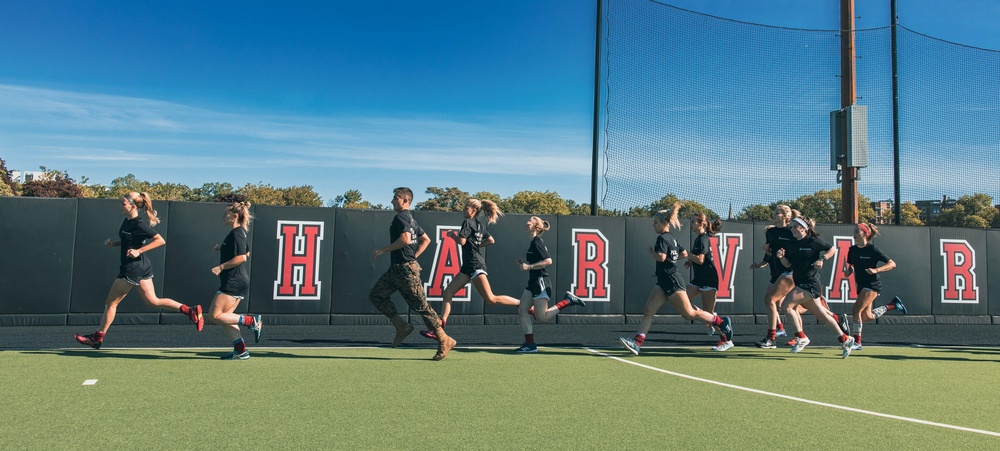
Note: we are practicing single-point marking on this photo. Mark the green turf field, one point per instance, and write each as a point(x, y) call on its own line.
point(381, 398)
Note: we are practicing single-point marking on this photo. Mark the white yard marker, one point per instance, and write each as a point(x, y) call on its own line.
point(90, 382)
point(797, 399)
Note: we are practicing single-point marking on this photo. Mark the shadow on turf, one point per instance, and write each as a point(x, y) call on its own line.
point(116, 354)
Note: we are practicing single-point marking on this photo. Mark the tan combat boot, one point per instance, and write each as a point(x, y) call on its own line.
point(403, 329)
point(445, 343)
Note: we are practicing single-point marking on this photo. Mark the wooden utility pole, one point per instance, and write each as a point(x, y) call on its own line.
point(848, 96)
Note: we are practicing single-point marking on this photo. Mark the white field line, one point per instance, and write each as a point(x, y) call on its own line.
point(793, 398)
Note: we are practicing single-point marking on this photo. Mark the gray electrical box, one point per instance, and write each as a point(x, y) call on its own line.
point(849, 135)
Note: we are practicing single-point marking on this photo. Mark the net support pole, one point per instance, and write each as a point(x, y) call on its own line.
point(896, 201)
point(848, 96)
point(597, 114)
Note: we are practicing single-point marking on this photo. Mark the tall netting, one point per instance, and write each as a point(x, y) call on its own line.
point(733, 114)
point(949, 118)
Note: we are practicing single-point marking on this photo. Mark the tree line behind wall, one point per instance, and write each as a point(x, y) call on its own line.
point(970, 211)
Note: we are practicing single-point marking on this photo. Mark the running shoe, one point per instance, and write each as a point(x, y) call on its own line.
point(792, 342)
point(723, 345)
point(88, 340)
point(766, 343)
point(857, 347)
point(780, 333)
point(236, 355)
point(726, 328)
point(197, 318)
point(256, 327)
point(845, 324)
point(899, 305)
point(847, 345)
point(711, 329)
point(800, 344)
point(630, 344)
point(429, 334)
point(573, 300)
point(526, 348)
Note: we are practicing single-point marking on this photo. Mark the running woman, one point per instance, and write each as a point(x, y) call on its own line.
point(777, 235)
point(136, 237)
point(473, 236)
point(535, 300)
point(234, 280)
point(670, 288)
point(805, 256)
point(408, 241)
point(863, 260)
point(704, 277)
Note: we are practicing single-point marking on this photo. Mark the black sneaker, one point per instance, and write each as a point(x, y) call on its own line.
point(526, 348)
point(256, 327)
point(766, 343)
point(845, 324)
point(899, 305)
point(726, 328)
point(88, 340)
point(573, 300)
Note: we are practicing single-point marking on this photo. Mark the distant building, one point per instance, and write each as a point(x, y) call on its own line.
point(930, 209)
point(25, 176)
point(883, 211)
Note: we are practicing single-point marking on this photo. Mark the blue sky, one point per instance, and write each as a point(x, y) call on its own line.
point(485, 96)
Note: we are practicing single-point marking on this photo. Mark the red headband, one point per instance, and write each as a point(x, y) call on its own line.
point(865, 230)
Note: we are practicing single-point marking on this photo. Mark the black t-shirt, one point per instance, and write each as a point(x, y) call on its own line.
point(234, 281)
point(776, 238)
point(704, 274)
point(863, 258)
point(667, 244)
point(133, 234)
point(802, 254)
point(536, 253)
point(404, 222)
point(474, 233)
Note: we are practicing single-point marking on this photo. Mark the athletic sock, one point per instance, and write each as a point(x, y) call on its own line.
point(842, 338)
point(529, 338)
point(781, 326)
point(835, 317)
point(716, 320)
point(562, 304)
point(857, 338)
point(800, 335)
point(639, 338)
point(246, 320)
point(772, 334)
point(98, 336)
point(890, 307)
point(239, 345)
point(879, 311)
point(185, 309)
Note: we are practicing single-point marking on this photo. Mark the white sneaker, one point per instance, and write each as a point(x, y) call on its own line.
point(848, 345)
point(800, 344)
point(723, 346)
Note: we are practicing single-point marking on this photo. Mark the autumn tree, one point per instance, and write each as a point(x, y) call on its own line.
point(52, 183)
point(909, 214)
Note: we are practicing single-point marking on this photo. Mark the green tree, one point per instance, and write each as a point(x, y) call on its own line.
point(350, 199)
point(301, 196)
point(536, 203)
point(584, 210)
point(688, 208)
point(169, 191)
point(7, 187)
point(262, 194)
point(974, 212)
point(209, 192)
point(909, 214)
point(121, 186)
point(444, 199)
point(825, 206)
point(756, 212)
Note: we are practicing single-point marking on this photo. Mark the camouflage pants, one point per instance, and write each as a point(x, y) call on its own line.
point(404, 278)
